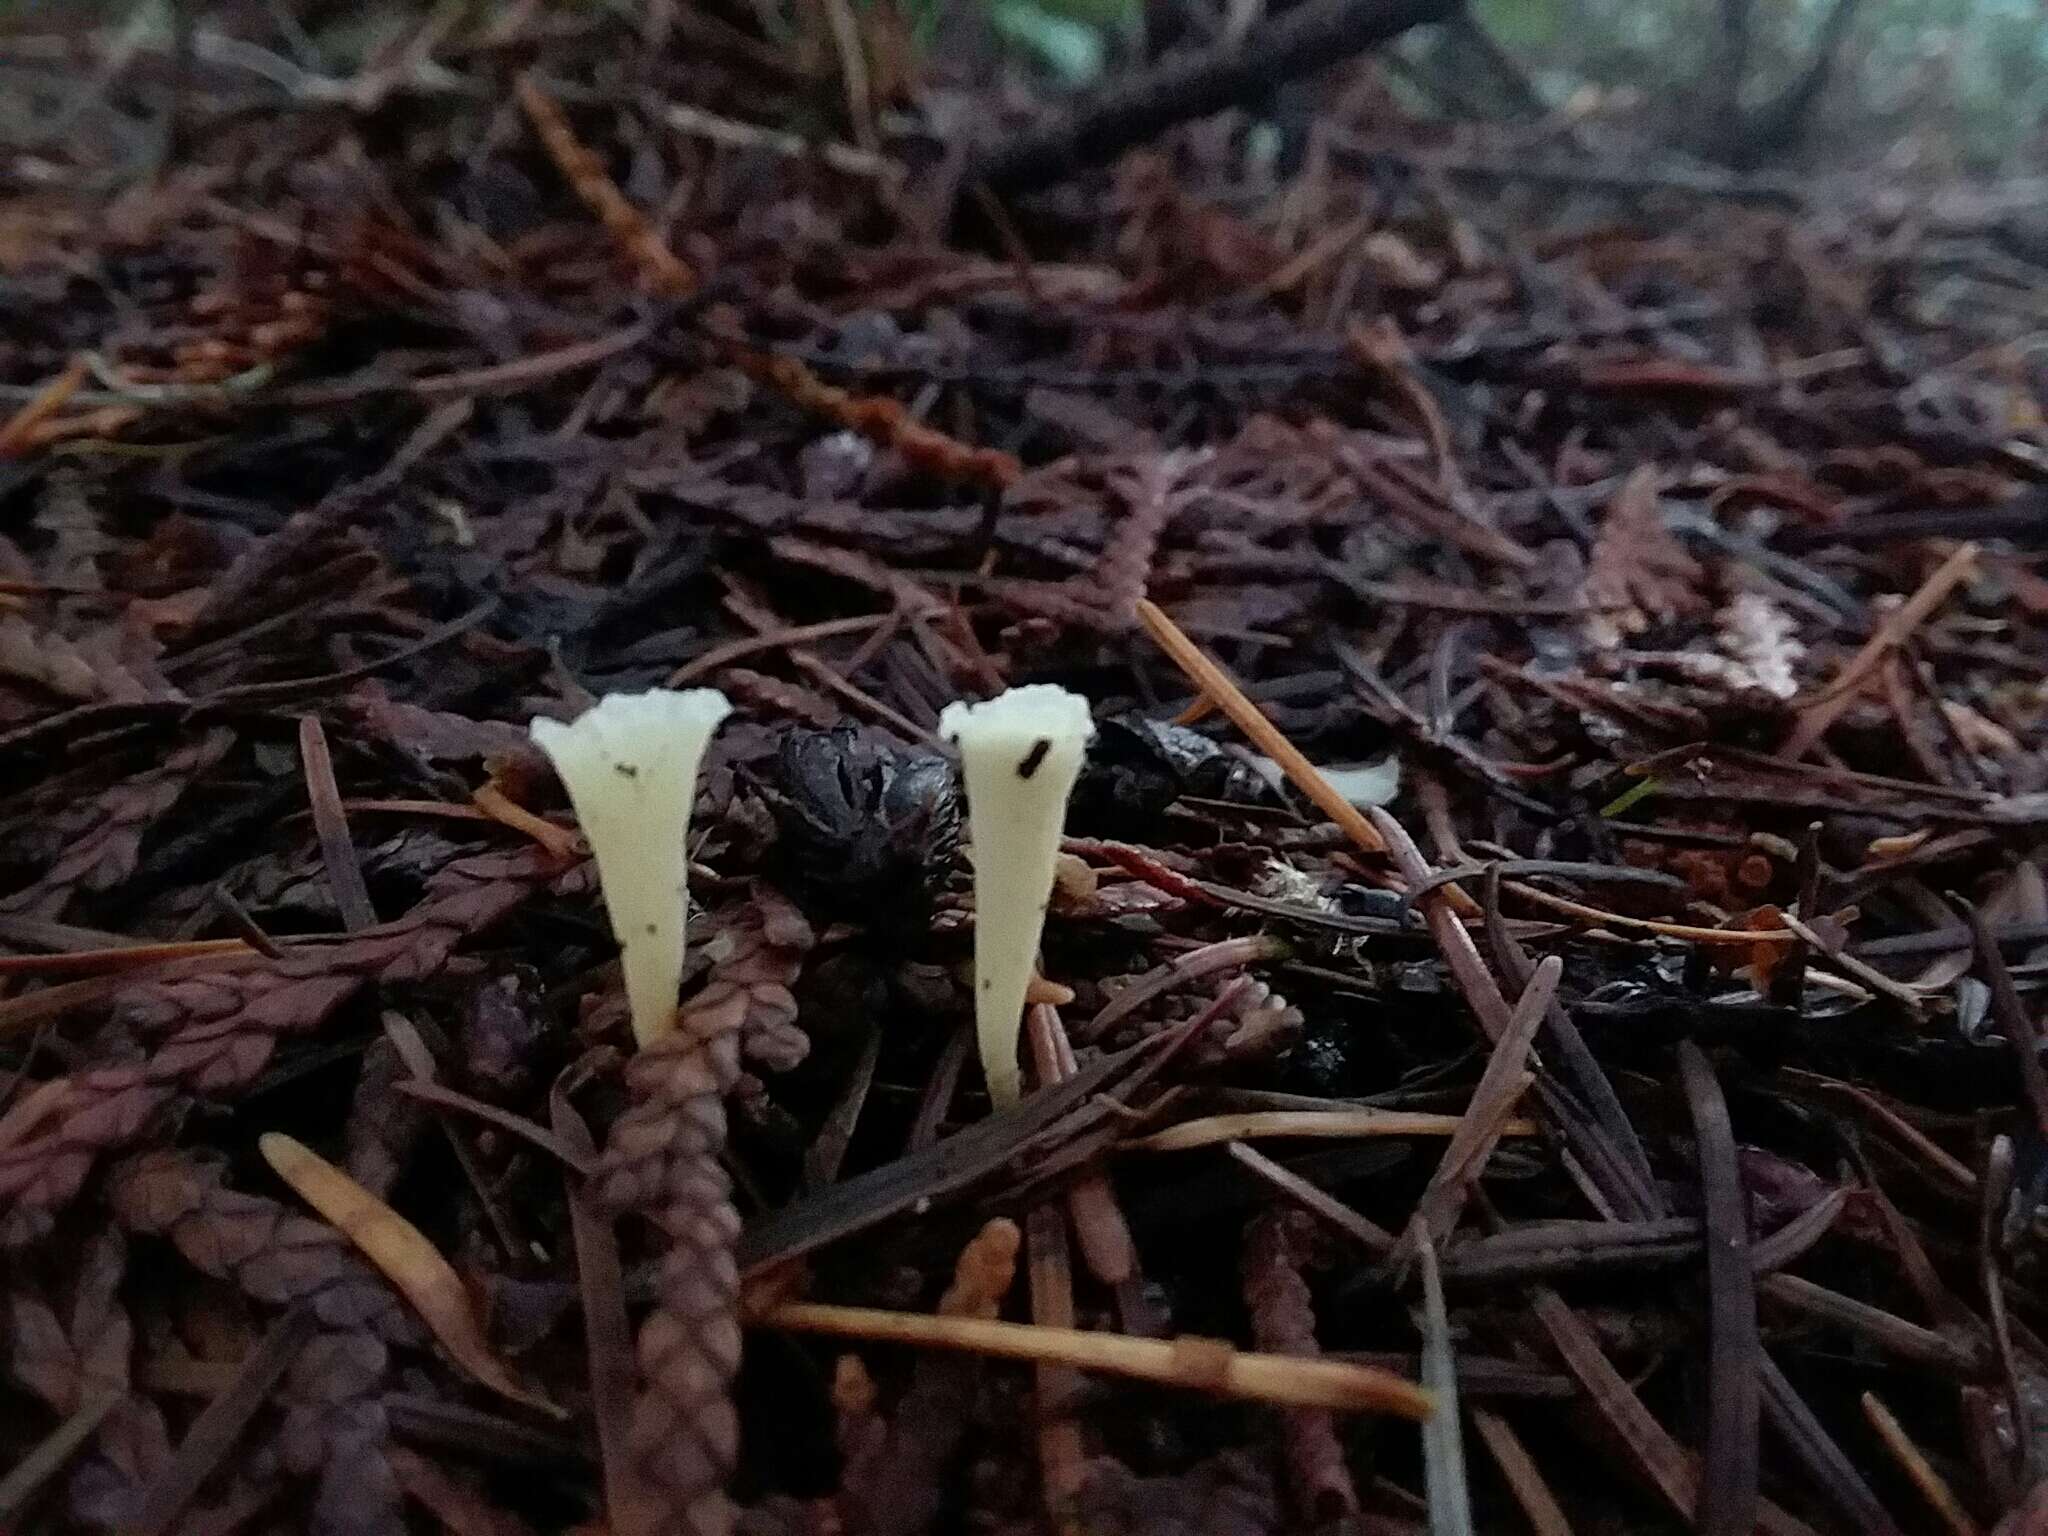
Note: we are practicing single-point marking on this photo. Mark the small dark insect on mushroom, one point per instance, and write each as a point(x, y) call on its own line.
point(1033, 758)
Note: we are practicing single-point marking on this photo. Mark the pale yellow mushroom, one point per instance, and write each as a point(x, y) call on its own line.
point(630, 765)
point(1021, 753)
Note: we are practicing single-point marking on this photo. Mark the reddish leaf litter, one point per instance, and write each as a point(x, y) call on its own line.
point(1677, 540)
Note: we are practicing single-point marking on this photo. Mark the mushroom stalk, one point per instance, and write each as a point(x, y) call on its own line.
point(630, 766)
point(1021, 753)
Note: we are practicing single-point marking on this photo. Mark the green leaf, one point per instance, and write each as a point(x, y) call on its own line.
point(1630, 796)
point(1072, 49)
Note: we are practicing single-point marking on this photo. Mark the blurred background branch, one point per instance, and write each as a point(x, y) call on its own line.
point(1941, 87)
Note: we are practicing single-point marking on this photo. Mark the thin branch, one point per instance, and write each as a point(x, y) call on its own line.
point(1297, 41)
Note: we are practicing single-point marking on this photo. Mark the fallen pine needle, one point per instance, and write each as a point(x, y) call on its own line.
point(1052, 993)
point(448, 809)
point(1203, 1365)
point(1334, 1124)
point(1687, 931)
point(220, 1424)
point(95, 962)
point(402, 1254)
point(1539, 1505)
point(20, 431)
point(25, 1479)
point(665, 272)
point(1933, 1486)
point(31, 1008)
point(1443, 1447)
point(559, 842)
point(1893, 632)
point(1219, 686)
point(35, 1108)
point(1369, 1235)
point(1892, 1125)
point(876, 417)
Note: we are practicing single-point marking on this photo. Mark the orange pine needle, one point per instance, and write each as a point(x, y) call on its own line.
point(402, 1254)
point(664, 271)
point(1221, 687)
point(876, 417)
point(443, 808)
point(1933, 1486)
point(1518, 1470)
point(122, 957)
point(559, 842)
point(1889, 635)
point(882, 420)
point(1331, 1124)
point(1689, 932)
point(1204, 1365)
point(20, 433)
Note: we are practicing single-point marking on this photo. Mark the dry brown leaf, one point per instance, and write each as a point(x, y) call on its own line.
point(404, 1257)
point(1639, 574)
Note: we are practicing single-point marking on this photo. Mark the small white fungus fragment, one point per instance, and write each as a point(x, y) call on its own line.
point(1365, 785)
point(1761, 637)
point(1021, 753)
point(630, 766)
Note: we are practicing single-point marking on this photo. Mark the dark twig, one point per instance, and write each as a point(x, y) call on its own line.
point(1997, 1190)
point(1825, 1461)
point(944, 1168)
point(1304, 38)
point(330, 822)
point(1366, 1233)
point(220, 1424)
point(607, 1333)
point(2021, 1033)
point(1727, 1503)
point(1499, 1088)
point(27, 1477)
point(1650, 1448)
